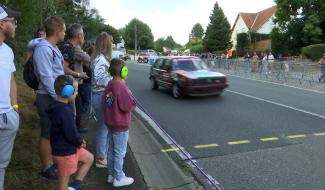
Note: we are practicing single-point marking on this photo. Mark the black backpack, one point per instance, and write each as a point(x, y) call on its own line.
point(29, 75)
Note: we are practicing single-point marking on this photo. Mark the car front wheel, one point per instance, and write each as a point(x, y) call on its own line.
point(176, 92)
point(154, 84)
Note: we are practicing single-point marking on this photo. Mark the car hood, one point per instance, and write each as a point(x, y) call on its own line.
point(200, 74)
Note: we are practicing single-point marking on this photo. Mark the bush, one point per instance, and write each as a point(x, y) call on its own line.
point(255, 37)
point(221, 52)
point(197, 49)
point(243, 44)
point(313, 52)
point(131, 52)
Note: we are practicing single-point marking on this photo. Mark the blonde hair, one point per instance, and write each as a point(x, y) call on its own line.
point(103, 45)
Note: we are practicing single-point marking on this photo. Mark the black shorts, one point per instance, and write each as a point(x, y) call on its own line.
point(42, 102)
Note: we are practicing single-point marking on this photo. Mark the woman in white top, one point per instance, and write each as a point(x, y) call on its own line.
point(101, 56)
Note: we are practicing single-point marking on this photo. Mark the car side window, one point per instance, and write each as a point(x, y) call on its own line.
point(158, 63)
point(167, 65)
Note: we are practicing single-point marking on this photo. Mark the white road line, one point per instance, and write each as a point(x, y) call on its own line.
point(279, 84)
point(278, 104)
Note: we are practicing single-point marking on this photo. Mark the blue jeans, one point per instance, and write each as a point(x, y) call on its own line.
point(118, 142)
point(84, 90)
point(101, 133)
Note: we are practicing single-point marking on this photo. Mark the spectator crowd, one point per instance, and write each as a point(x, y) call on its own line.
point(69, 81)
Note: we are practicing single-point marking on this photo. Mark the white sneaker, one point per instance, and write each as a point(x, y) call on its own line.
point(101, 163)
point(123, 182)
point(110, 179)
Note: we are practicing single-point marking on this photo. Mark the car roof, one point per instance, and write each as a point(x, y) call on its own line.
point(179, 57)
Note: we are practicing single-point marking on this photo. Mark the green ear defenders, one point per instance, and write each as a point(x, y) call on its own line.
point(124, 71)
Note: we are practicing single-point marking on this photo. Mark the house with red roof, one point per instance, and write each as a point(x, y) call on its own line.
point(260, 22)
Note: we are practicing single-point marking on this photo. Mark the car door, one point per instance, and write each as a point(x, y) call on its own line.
point(165, 74)
point(155, 71)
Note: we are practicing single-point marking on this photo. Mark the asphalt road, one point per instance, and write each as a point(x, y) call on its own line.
point(256, 135)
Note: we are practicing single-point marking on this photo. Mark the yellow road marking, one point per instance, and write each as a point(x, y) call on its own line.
point(269, 139)
point(170, 150)
point(296, 136)
point(319, 134)
point(206, 145)
point(238, 142)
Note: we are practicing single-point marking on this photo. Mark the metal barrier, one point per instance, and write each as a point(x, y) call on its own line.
point(300, 74)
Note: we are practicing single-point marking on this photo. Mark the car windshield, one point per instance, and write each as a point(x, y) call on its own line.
point(190, 65)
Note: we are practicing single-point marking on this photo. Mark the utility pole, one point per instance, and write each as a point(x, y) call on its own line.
point(135, 40)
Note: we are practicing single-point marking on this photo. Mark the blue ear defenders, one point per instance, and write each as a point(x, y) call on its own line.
point(67, 90)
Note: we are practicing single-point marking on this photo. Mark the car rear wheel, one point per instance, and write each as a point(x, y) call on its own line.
point(153, 83)
point(176, 92)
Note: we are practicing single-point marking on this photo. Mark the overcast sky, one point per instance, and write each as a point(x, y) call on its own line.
point(173, 17)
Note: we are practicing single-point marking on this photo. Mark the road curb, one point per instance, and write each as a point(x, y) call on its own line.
point(158, 169)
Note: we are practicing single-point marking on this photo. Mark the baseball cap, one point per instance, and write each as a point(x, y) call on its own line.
point(5, 12)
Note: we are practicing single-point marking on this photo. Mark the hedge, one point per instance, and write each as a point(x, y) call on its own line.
point(243, 44)
point(197, 48)
point(314, 52)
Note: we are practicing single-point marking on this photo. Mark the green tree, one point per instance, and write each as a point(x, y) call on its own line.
point(170, 43)
point(159, 44)
point(143, 34)
point(197, 31)
point(28, 24)
point(300, 22)
point(217, 35)
point(112, 31)
point(288, 41)
point(33, 12)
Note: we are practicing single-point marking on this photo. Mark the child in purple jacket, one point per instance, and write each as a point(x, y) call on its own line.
point(118, 102)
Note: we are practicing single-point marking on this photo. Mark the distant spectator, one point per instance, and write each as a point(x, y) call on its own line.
point(270, 60)
point(9, 117)
point(40, 33)
point(255, 60)
point(265, 63)
point(68, 148)
point(322, 68)
point(247, 56)
point(229, 53)
point(281, 61)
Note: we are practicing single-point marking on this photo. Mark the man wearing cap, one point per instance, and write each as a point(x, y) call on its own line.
point(322, 69)
point(9, 117)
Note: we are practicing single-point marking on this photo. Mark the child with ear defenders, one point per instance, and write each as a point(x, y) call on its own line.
point(68, 148)
point(117, 103)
